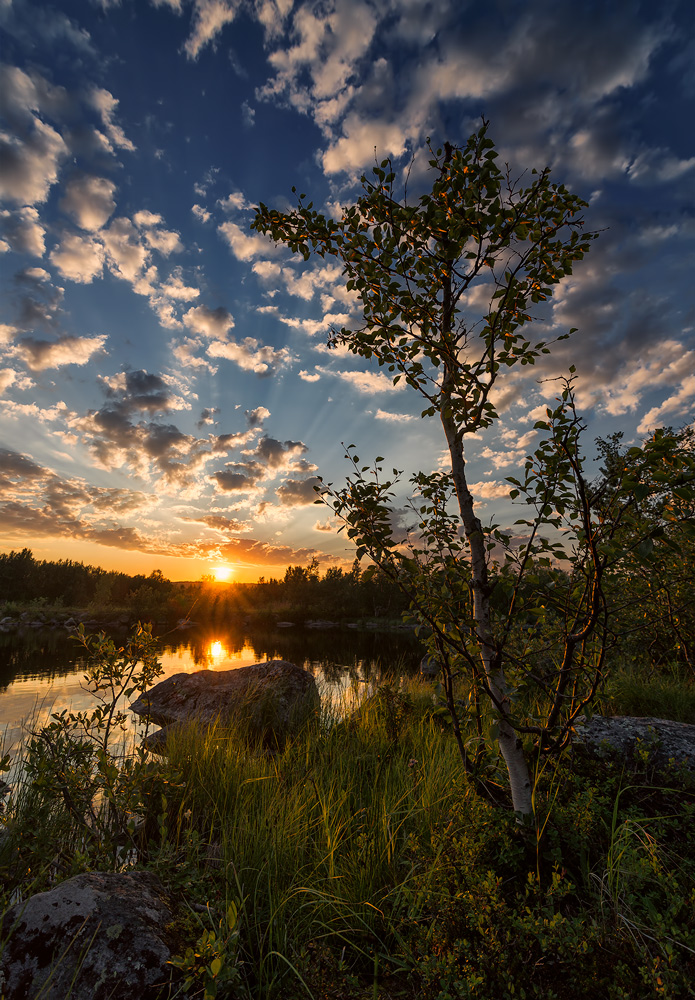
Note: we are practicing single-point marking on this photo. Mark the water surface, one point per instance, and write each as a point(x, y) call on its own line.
point(42, 671)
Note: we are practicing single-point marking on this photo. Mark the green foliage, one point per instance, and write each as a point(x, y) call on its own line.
point(210, 964)
point(67, 583)
point(535, 655)
point(357, 863)
point(651, 588)
point(85, 791)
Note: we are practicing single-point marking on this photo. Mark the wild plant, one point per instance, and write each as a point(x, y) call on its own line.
point(84, 786)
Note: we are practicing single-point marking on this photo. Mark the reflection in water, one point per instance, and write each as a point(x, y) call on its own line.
point(47, 667)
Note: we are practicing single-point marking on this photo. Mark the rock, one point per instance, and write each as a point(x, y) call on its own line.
point(273, 699)
point(429, 666)
point(107, 932)
point(663, 739)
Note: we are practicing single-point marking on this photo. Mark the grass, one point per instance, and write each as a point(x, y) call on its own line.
point(357, 864)
point(666, 694)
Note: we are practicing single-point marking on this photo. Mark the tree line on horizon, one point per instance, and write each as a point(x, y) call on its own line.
point(302, 590)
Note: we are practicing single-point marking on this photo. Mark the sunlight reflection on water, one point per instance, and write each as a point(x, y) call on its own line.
point(50, 678)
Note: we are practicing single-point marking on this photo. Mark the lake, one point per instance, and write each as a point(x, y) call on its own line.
point(41, 670)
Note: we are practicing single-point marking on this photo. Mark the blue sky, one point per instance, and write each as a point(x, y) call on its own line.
point(166, 395)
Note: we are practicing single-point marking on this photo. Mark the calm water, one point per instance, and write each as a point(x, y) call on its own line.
point(42, 671)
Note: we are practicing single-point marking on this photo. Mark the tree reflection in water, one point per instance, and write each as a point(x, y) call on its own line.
point(46, 666)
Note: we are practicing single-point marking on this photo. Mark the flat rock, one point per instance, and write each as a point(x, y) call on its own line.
point(665, 740)
point(93, 937)
point(273, 699)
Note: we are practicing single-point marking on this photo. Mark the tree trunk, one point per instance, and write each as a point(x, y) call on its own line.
point(509, 742)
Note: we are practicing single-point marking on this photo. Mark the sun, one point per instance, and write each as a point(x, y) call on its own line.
point(222, 573)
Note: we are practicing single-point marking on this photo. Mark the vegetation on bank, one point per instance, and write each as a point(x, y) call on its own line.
point(43, 590)
point(359, 862)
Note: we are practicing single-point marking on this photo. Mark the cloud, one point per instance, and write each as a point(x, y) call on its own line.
point(37, 501)
point(248, 115)
point(79, 258)
point(89, 200)
point(225, 525)
point(489, 490)
point(126, 255)
point(327, 47)
point(360, 138)
point(298, 492)
point(133, 428)
point(234, 202)
point(365, 382)
point(41, 354)
point(185, 354)
point(306, 376)
point(106, 104)
point(209, 18)
point(23, 230)
point(16, 465)
point(246, 246)
point(249, 356)
point(201, 213)
point(7, 377)
point(278, 454)
point(164, 240)
point(659, 166)
point(330, 525)
point(29, 167)
point(396, 418)
point(211, 323)
point(174, 288)
point(231, 481)
point(141, 390)
point(255, 418)
point(265, 461)
point(681, 402)
point(7, 332)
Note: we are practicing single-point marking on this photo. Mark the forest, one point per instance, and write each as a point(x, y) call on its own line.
point(64, 588)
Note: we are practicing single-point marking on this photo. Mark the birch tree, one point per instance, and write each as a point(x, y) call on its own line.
point(417, 267)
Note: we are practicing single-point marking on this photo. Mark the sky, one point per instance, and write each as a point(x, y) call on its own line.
point(167, 397)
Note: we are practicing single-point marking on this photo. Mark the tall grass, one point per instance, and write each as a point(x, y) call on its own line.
point(321, 845)
point(667, 693)
point(357, 863)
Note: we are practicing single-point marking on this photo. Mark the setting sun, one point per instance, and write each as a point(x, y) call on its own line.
point(222, 573)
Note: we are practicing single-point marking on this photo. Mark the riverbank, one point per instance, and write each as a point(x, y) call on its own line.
point(373, 872)
point(359, 863)
point(33, 615)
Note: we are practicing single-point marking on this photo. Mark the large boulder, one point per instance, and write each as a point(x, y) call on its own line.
point(270, 700)
point(93, 937)
point(660, 743)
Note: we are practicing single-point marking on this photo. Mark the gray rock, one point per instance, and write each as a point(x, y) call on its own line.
point(107, 932)
point(429, 666)
point(272, 699)
point(663, 739)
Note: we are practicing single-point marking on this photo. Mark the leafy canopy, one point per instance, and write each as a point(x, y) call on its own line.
point(418, 268)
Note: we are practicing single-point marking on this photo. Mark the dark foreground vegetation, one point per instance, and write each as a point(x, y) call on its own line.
point(359, 862)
